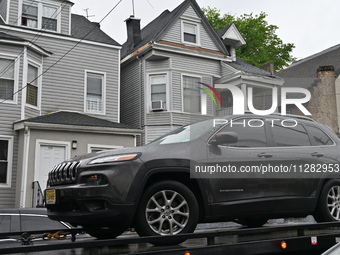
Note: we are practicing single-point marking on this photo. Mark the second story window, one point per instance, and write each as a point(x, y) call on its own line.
point(40, 16)
point(32, 86)
point(94, 93)
point(49, 19)
point(29, 17)
point(190, 33)
point(6, 79)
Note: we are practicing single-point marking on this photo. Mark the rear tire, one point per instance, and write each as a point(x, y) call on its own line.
point(328, 207)
point(167, 208)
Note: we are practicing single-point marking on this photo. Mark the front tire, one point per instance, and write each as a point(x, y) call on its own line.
point(167, 208)
point(328, 208)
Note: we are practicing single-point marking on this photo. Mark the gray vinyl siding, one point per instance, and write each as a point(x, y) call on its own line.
point(131, 94)
point(65, 20)
point(3, 9)
point(226, 71)
point(153, 132)
point(181, 119)
point(158, 118)
point(13, 12)
point(157, 64)
point(174, 34)
point(176, 90)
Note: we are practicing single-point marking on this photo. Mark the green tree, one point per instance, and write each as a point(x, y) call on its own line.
point(263, 44)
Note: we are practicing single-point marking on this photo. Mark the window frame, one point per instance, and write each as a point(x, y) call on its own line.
point(39, 84)
point(103, 74)
point(167, 91)
point(10, 140)
point(40, 5)
point(197, 32)
point(312, 140)
point(16, 60)
point(203, 110)
point(265, 128)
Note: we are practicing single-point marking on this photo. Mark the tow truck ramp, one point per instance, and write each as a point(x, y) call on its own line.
point(284, 239)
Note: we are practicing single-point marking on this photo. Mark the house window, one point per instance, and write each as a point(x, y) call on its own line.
point(190, 33)
point(191, 94)
point(6, 79)
point(32, 86)
point(158, 91)
point(6, 146)
point(40, 16)
point(227, 99)
point(29, 17)
point(94, 93)
point(49, 19)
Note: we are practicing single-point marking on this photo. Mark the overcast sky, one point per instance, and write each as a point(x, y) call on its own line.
point(311, 25)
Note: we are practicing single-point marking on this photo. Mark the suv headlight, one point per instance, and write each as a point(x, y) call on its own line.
point(114, 158)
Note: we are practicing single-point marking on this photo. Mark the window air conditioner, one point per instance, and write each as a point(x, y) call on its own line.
point(157, 105)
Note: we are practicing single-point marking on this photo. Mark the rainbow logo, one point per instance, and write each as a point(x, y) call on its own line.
point(211, 94)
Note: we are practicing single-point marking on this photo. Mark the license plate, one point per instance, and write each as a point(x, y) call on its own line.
point(50, 196)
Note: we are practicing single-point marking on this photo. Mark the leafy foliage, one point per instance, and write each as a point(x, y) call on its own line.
point(263, 45)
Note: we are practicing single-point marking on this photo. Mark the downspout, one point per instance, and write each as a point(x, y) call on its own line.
point(24, 168)
point(140, 91)
point(24, 84)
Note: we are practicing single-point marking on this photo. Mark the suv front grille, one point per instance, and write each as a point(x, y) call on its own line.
point(63, 173)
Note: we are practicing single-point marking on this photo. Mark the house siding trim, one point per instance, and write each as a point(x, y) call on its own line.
point(184, 51)
point(60, 36)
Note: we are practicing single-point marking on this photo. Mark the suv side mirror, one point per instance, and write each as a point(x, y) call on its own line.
point(224, 137)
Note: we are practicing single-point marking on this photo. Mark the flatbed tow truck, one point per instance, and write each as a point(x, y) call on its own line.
point(283, 239)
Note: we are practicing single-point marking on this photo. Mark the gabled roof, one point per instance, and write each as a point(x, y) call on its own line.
point(154, 31)
point(231, 36)
point(75, 119)
point(244, 66)
point(81, 27)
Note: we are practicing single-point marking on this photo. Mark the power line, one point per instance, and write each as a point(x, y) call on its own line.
point(68, 52)
point(34, 39)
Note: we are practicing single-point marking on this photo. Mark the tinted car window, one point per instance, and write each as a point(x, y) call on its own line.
point(41, 222)
point(290, 136)
point(250, 133)
point(5, 223)
point(318, 137)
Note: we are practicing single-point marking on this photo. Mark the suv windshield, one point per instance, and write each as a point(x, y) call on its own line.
point(185, 133)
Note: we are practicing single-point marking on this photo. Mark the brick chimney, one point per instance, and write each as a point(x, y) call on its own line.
point(323, 105)
point(133, 31)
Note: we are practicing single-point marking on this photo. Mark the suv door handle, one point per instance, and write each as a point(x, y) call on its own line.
point(317, 154)
point(265, 155)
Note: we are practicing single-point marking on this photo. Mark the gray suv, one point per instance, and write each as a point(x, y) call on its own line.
point(237, 168)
